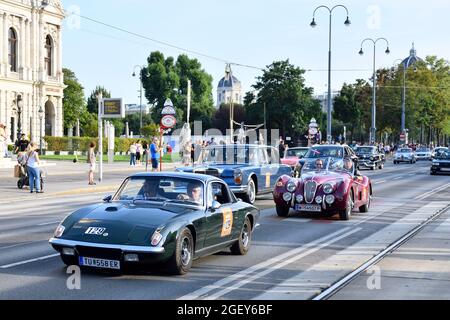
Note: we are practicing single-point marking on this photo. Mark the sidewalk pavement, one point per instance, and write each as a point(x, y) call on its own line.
point(67, 179)
point(62, 168)
point(418, 270)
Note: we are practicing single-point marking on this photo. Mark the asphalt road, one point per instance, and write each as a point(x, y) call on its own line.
point(290, 258)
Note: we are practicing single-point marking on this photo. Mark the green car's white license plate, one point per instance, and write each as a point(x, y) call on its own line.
point(308, 208)
point(99, 263)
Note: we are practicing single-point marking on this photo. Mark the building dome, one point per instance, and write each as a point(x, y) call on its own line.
point(412, 59)
point(228, 82)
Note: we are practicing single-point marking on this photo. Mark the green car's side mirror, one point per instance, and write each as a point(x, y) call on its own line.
point(215, 206)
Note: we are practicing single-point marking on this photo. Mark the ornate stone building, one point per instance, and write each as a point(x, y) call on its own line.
point(31, 67)
point(229, 89)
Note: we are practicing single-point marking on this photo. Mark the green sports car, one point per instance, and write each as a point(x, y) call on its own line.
point(164, 218)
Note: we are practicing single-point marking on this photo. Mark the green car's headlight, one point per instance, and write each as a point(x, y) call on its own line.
point(156, 237)
point(59, 231)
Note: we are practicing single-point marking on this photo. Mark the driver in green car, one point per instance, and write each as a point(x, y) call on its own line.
point(195, 192)
point(149, 189)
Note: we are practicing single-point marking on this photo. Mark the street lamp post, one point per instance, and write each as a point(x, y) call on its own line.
point(18, 109)
point(41, 116)
point(313, 24)
point(140, 93)
point(373, 129)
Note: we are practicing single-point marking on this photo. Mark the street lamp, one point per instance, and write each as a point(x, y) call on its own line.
point(140, 92)
point(373, 129)
point(314, 24)
point(41, 117)
point(18, 109)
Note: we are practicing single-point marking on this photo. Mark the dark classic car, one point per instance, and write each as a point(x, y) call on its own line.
point(335, 187)
point(329, 151)
point(163, 218)
point(247, 169)
point(441, 163)
point(370, 157)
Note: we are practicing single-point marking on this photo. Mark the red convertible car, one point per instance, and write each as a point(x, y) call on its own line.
point(325, 187)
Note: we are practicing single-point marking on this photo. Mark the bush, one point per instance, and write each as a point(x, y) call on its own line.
point(82, 144)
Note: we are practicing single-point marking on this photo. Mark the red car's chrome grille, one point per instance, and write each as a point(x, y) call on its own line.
point(310, 191)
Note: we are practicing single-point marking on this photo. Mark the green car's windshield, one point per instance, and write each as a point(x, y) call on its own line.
point(162, 190)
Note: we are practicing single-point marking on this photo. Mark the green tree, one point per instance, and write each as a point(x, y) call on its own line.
point(74, 105)
point(92, 103)
point(221, 120)
point(165, 78)
point(289, 103)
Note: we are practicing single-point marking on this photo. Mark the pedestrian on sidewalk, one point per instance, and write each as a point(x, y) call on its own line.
point(34, 172)
point(3, 139)
point(133, 150)
point(155, 150)
point(22, 144)
point(92, 163)
point(138, 152)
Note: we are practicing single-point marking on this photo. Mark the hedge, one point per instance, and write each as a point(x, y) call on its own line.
point(58, 144)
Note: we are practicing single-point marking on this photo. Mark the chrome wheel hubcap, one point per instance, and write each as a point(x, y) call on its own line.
point(245, 236)
point(185, 252)
point(251, 191)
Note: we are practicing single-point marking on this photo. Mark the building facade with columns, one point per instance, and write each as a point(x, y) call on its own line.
point(31, 76)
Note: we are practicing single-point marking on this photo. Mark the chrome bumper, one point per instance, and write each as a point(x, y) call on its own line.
point(239, 189)
point(125, 248)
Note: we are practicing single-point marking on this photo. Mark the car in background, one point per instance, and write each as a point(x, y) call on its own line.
point(329, 151)
point(405, 155)
point(249, 170)
point(441, 164)
point(424, 154)
point(293, 155)
point(326, 190)
point(157, 218)
point(370, 157)
point(435, 153)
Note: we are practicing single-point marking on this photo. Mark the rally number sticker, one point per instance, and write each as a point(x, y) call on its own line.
point(227, 222)
point(268, 175)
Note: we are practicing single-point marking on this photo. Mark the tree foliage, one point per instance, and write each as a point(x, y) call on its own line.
point(74, 104)
point(165, 78)
point(289, 103)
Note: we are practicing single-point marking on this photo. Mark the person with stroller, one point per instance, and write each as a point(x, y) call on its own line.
point(34, 173)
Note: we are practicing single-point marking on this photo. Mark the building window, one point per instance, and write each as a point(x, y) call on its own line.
point(237, 97)
point(220, 97)
point(12, 49)
point(49, 55)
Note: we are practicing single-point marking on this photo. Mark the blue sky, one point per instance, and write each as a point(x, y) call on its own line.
point(251, 32)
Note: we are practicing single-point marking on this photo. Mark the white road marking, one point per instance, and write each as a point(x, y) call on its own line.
point(280, 265)
point(380, 182)
point(434, 191)
point(244, 273)
point(48, 223)
point(28, 261)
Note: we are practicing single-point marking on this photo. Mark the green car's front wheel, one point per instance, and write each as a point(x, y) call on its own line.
point(181, 261)
point(242, 246)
